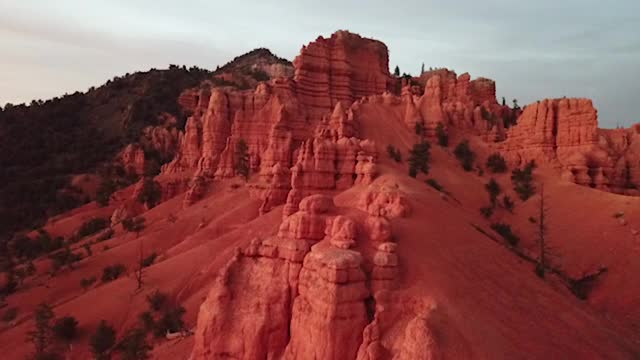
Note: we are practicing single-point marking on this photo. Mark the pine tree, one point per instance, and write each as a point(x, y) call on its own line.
point(102, 340)
point(139, 273)
point(419, 157)
point(396, 72)
point(41, 336)
point(242, 159)
point(441, 134)
point(422, 69)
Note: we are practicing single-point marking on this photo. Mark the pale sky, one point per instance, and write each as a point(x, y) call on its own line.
point(534, 50)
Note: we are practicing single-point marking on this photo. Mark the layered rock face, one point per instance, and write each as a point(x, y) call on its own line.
point(456, 101)
point(564, 133)
point(303, 293)
point(341, 68)
point(305, 125)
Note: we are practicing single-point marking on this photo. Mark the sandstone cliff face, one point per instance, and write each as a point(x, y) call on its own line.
point(457, 102)
point(303, 293)
point(564, 133)
point(343, 68)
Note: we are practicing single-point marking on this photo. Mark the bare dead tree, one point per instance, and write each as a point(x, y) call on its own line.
point(139, 273)
point(544, 251)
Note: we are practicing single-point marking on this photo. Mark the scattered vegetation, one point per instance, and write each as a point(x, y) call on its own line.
point(157, 300)
point(102, 340)
point(134, 345)
point(419, 157)
point(419, 129)
point(465, 155)
point(149, 260)
point(87, 282)
point(441, 134)
point(242, 159)
point(91, 227)
point(163, 316)
point(64, 257)
point(66, 328)
point(505, 231)
point(394, 153)
point(522, 180)
point(112, 272)
point(135, 224)
point(496, 163)
point(24, 248)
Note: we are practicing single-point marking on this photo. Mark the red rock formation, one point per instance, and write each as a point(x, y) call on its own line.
point(343, 67)
point(385, 200)
point(563, 132)
point(279, 187)
point(262, 281)
point(330, 314)
point(298, 295)
point(132, 159)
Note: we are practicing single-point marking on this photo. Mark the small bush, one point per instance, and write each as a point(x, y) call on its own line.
point(441, 134)
point(435, 184)
point(496, 163)
point(419, 129)
point(394, 153)
point(157, 300)
point(522, 180)
point(171, 321)
point(419, 157)
point(87, 282)
point(493, 188)
point(64, 257)
point(508, 203)
point(66, 328)
point(532, 220)
point(149, 260)
point(134, 345)
point(133, 224)
point(486, 211)
point(102, 340)
point(465, 155)
point(147, 321)
point(10, 314)
point(505, 231)
point(112, 272)
point(91, 227)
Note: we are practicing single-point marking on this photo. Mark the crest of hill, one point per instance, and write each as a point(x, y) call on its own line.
point(247, 62)
point(42, 144)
